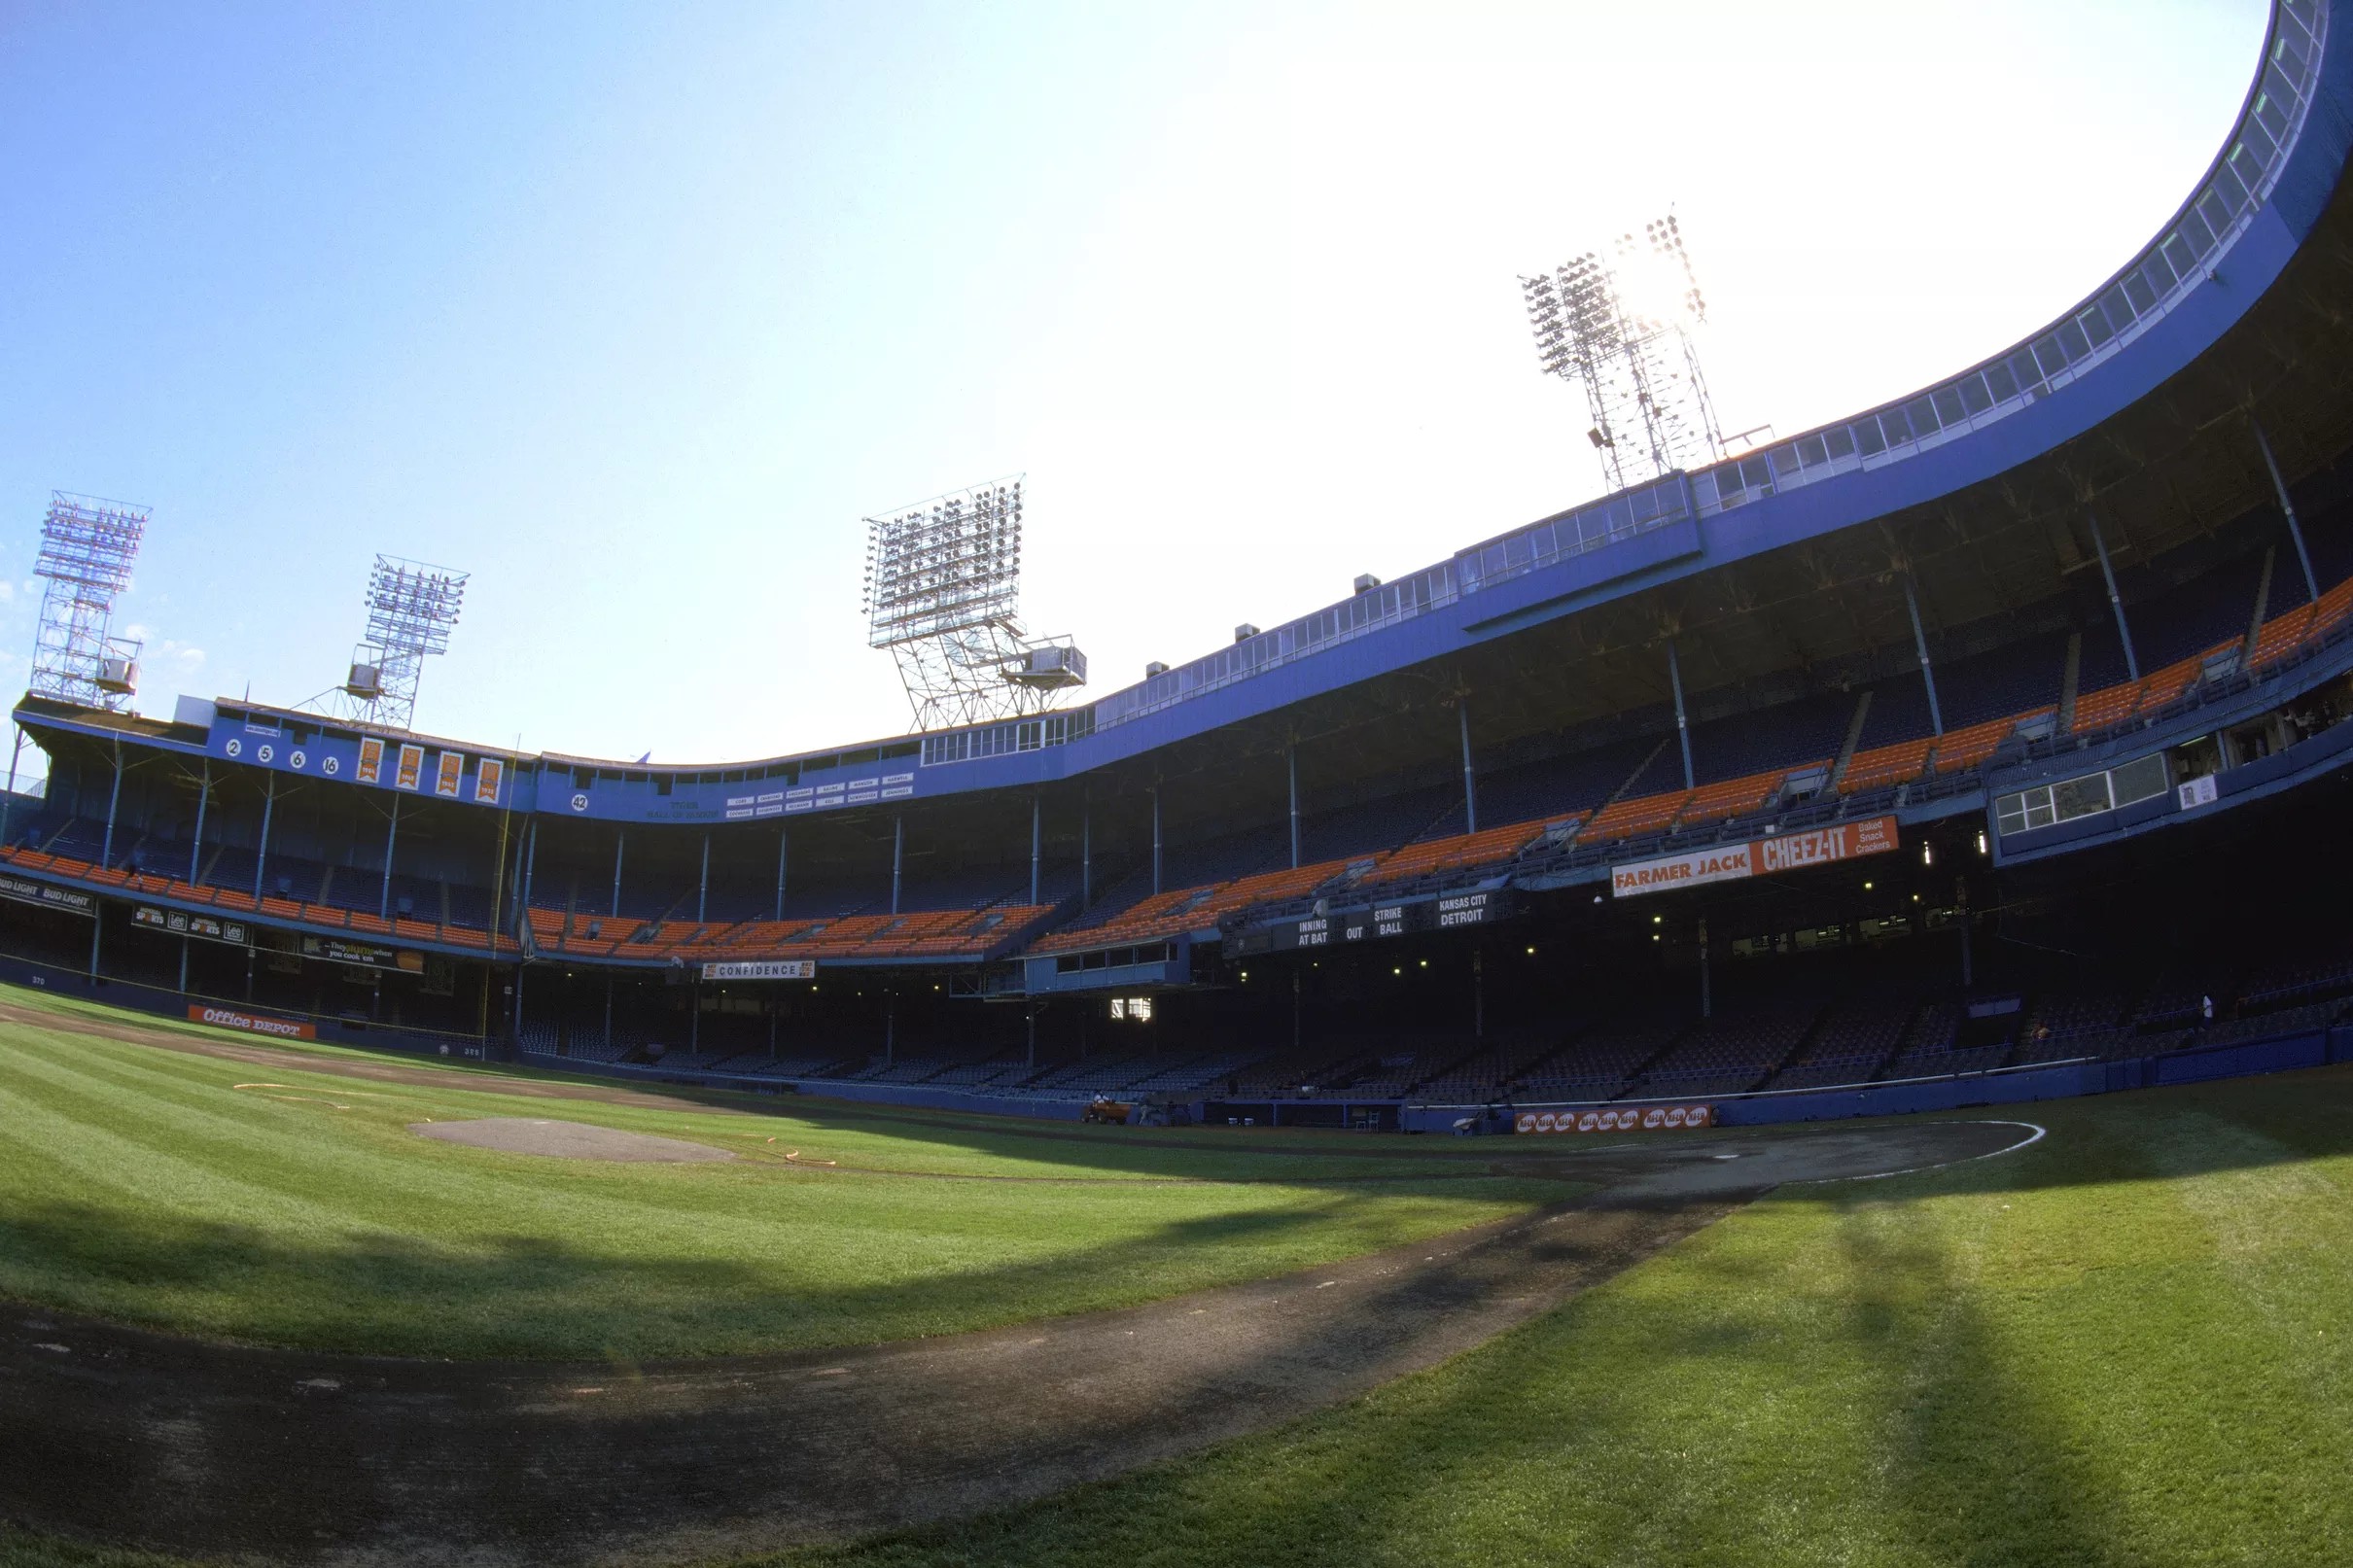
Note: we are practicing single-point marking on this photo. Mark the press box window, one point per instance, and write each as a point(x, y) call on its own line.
point(2023, 811)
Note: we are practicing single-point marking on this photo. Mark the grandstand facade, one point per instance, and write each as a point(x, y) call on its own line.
point(1937, 741)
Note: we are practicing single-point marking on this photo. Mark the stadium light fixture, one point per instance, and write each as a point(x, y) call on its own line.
point(1622, 330)
point(412, 608)
point(941, 591)
point(87, 547)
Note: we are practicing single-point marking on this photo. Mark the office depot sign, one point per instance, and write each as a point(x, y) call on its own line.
point(225, 1017)
point(1617, 1119)
point(1728, 863)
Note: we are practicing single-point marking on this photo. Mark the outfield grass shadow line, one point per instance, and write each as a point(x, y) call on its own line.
point(966, 1428)
point(533, 1297)
point(1981, 1470)
point(1363, 1484)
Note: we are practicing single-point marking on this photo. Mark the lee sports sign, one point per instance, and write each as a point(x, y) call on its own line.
point(1758, 857)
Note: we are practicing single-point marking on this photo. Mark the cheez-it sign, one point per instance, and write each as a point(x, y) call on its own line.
point(1727, 863)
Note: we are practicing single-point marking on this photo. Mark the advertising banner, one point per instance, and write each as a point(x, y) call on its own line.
point(1873, 835)
point(1617, 1119)
point(180, 922)
point(368, 954)
point(372, 759)
point(770, 969)
point(487, 782)
point(1723, 863)
point(40, 893)
point(412, 767)
point(1728, 862)
point(445, 782)
point(250, 1022)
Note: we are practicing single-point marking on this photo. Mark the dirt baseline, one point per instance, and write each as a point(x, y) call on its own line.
point(129, 1437)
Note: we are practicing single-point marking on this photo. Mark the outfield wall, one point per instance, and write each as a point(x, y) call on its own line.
point(2311, 1048)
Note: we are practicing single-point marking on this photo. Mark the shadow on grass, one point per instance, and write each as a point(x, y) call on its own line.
point(536, 1297)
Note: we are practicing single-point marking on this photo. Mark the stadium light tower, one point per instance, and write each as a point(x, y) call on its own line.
point(1622, 330)
point(411, 609)
point(943, 592)
point(87, 547)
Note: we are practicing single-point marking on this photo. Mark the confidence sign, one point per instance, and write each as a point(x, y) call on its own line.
point(774, 969)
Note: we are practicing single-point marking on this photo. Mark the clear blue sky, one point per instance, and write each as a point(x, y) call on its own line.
point(635, 311)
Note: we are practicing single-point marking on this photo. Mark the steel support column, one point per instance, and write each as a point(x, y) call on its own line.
point(2279, 487)
point(620, 842)
point(784, 838)
point(2099, 543)
point(113, 799)
point(1086, 850)
point(702, 886)
point(1291, 764)
point(9, 799)
point(899, 855)
point(1036, 838)
point(1478, 994)
point(1919, 640)
point(1708, 1007)
point(1155, 836)
point(1470, 781)
point(261, 859)
point(392, 840)
point(1675, 678)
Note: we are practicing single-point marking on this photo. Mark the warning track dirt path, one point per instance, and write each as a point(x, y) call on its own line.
point(125, 1436)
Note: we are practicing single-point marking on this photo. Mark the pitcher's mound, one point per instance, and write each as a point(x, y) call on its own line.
point(566, 1140)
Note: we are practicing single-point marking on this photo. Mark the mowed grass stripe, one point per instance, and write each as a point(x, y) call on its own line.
point(970, 1144)
point(253, 1131)
point(263, 1159)
point(2123, 1346)
point(998, 1152)
point(140, 1183)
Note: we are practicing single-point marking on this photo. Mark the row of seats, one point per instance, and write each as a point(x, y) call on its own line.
point(1777, 1043)
point(236, 900)
point(1881, 768)
point(943, 933)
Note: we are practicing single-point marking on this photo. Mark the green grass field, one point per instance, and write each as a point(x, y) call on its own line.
point(219, 1198)
point(2130, 1345)
point(2125, 1346)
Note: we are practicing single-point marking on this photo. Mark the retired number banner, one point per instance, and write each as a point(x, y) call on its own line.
point(1622, 1119)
